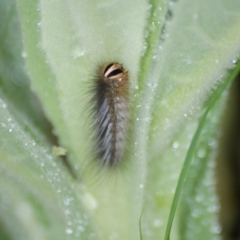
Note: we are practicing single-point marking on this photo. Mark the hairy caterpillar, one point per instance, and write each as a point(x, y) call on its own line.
point(111, 113)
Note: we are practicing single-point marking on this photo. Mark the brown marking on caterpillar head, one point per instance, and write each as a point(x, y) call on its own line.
point(114, 74)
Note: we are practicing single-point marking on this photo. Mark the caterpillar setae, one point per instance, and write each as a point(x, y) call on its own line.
point(111, 113)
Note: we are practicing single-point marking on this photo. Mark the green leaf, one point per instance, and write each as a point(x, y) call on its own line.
point(37, 195)
point(204, 145)
point(37, 198)
point(178, 55)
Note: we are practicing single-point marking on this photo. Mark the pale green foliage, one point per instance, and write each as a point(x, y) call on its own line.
point(176, 64)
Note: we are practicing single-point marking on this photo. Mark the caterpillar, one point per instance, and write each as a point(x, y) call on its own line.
point(111, 113)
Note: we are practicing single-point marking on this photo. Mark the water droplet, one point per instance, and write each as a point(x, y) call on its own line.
point(212, 143)
point(149, 6)
point(69, 231)
point(81, 228)
point(188, 61)
point(24, 54)
point(199, 198)
point(211, 164)
point(67, 212)
point(166, 120)
point(39, 27)
point(141, 185)
point(175, 144)
point(154, 56)
point(196, 213)
point(78, 52)
point(216, 229)
point(171, 4)
point(201, 153)
point(157, 222)
point(213, 208)
point(144, 45)
point(67, 201)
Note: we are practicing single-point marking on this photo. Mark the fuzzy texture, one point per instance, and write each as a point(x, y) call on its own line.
point(111, 113)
